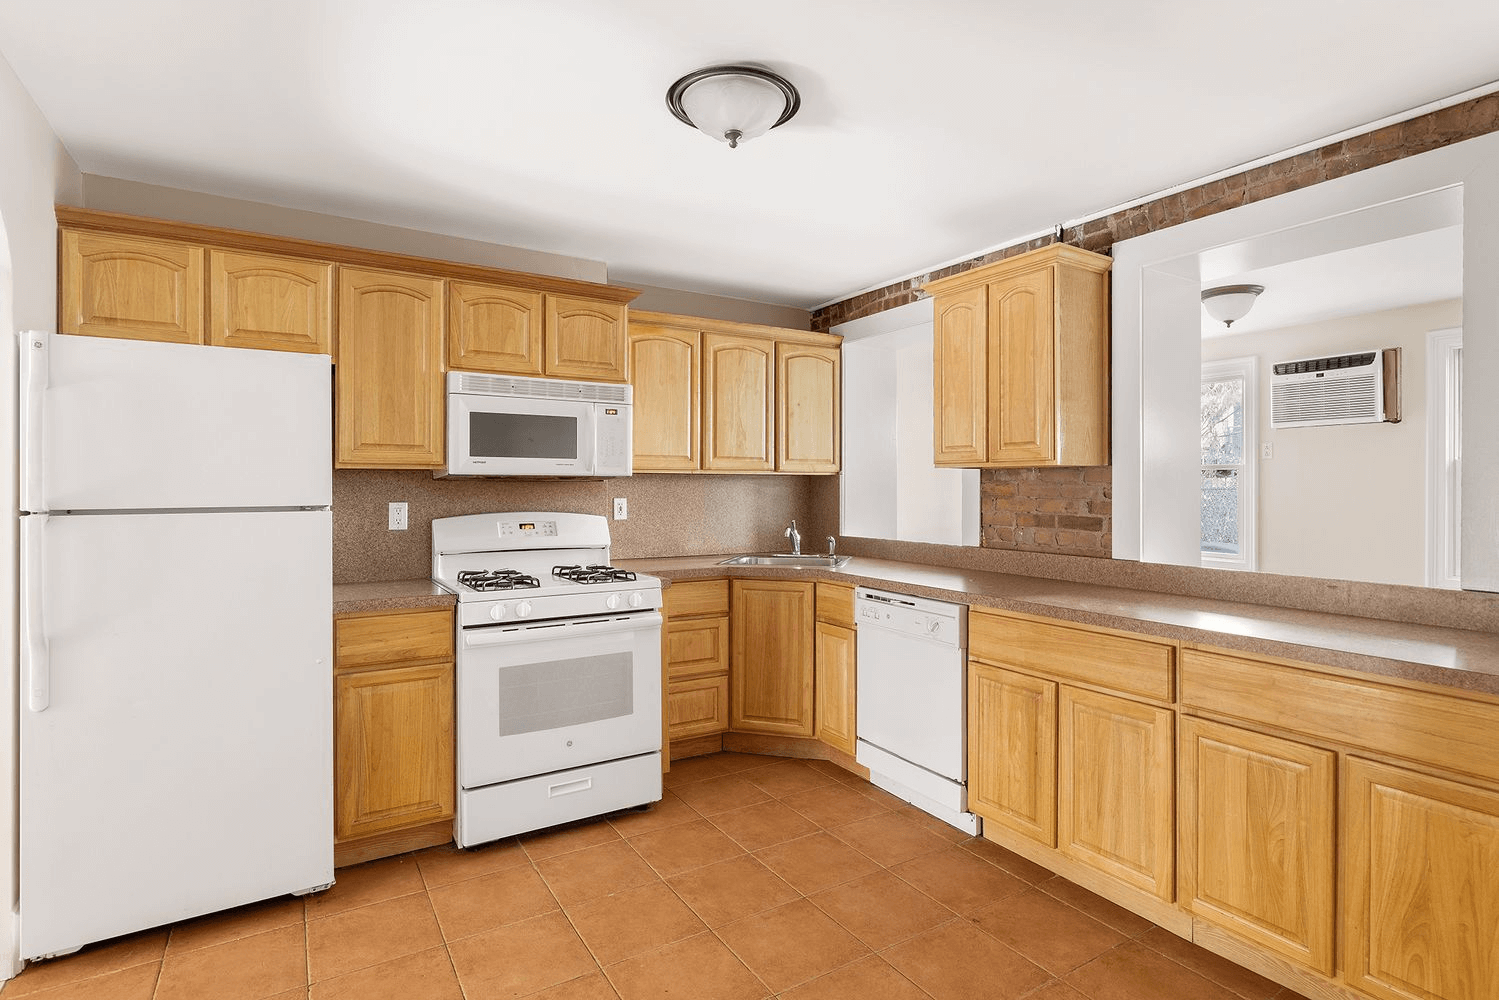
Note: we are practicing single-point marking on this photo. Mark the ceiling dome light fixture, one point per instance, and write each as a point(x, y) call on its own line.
point(733, 103)
point(1230, 303)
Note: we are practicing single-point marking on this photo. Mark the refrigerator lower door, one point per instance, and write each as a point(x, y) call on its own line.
point(134, 425)
point(183, 762)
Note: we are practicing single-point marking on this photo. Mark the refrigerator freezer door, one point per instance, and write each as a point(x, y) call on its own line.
point(135, 425)
point(184, 760)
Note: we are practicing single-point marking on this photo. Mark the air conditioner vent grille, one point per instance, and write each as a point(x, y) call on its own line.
point(1325, 364)
point(1339, 389)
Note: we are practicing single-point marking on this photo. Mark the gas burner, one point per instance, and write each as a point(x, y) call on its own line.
point(593, 574)
point(497, 579)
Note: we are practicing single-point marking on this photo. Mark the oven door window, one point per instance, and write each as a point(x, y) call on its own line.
point(522, 435)
point(555, 694)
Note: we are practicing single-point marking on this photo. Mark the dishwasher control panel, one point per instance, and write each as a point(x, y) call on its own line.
point(936, 621)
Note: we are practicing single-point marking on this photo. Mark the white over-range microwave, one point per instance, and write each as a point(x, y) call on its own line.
point(502, 425)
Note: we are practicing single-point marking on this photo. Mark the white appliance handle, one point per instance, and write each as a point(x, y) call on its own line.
point(36, 656)
point(35, 348)
point(474, 638)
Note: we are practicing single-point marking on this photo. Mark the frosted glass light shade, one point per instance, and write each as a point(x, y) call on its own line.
point(1230, 303)
point(733, 103)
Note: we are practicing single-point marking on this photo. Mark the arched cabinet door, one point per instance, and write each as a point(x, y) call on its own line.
point(961, 369)
point(492, 328)
point(1022, 399)
point(739, 403)
point(807, 408)
point(270, 303)
point(131, 287)
point(388, 380)
point(666, 366)
point(585, 339)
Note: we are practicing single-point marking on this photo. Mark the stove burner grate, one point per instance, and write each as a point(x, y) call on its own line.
point(497, 579)
point(592, 574)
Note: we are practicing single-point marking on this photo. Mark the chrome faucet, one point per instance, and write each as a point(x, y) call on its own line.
point(832, 546)
point(796, 539)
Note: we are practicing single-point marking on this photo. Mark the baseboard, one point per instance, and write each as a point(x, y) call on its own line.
point(695, 746)
point(384, 845)
point(799, 747)
point(1309, 984)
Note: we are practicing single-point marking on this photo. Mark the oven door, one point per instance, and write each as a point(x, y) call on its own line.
point(549, 695)
point(514, 436)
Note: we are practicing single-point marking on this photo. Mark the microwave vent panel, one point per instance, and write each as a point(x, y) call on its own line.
point(538, 388)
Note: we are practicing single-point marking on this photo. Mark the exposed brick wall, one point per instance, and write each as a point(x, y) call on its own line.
point(1067, 510)
point(1419, 135)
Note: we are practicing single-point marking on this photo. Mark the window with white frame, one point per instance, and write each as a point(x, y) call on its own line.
point(1229, 404)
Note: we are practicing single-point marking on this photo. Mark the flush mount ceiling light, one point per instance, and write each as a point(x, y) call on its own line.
point(1230, 303)
point(733, 103)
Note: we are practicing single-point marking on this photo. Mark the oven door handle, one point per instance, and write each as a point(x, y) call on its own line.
point(474, 638)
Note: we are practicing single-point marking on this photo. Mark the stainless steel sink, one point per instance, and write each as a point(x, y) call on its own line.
point(787, 559)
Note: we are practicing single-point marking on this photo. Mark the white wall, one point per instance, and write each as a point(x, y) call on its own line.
point(1346, 501)
point(35, 172)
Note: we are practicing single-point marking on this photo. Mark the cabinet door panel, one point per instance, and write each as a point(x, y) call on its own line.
point(131, 287)
point(1012, 750)
point(697, 707)
point(585, 339)
point(772, 666)
point(1257, 828)
point(808, 408)
point(1421, 877)
point(393, 752)
point(389, 374)
point(1022, 395)
point(961, 373)
point(666, 371)
point(1115, 810)
point(738, 403)
point(697, 646)
point(494, 329)
point(270, 303)
point(835, 686)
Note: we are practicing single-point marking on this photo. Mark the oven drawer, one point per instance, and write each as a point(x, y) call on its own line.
point(526, 804)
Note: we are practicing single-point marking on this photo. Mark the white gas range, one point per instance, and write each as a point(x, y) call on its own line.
point(558, 672)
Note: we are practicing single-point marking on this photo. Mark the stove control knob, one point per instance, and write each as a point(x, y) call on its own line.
point(523, 609)
point(611, 602)
point(636, 600)
point(497, 612)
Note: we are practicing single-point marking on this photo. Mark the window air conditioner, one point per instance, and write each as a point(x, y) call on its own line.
point(1361, 388)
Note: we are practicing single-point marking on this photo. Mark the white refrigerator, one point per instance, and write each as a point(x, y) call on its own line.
point(176, 745)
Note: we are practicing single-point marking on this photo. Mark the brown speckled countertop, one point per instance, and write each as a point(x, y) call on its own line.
point(394, 595)
point(1449, 657)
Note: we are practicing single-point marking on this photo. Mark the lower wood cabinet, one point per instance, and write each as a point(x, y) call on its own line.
point(393, 713)
point(835, 686)
point(1114, 798)
point(695, 658)
point(1421, 884)
point(698, 706)
point(1256, 836)
point(772, 665)
point(1012, 750)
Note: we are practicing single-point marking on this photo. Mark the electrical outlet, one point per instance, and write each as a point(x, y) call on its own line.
point(398, 516)
point(621, 509)
point(1267, 450)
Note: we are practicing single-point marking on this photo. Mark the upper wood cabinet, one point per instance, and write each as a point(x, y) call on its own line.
point(772, 664)
point(1021, 362)
point(492, 328)
point(717, 396)
point(585, 339)
point(388, 380)
point(270, 303)
point(808, 408)
point(666, 370)
point(130, 287)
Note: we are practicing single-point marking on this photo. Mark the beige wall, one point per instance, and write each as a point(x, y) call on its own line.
point(1346, 501)
point(670, 300)
point(35, 172)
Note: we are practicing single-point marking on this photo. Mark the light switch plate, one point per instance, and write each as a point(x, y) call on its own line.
point(621, 509)
point(398, 516)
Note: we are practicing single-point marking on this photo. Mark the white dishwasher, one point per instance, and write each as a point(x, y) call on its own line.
point(912, 701)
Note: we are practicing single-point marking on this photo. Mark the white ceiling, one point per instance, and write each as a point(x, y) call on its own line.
point(1412, 270)
point(928, 131)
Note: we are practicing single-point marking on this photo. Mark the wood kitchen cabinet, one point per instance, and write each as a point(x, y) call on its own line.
point(695, 643)
point(270, 303)
point(808, 408)
point(773, 658)
point(1012, 750)
point(739, 403)
point(1021, 362)
point(130, 287)
point(1256, 838)
point(585, 339)
point(394, 786)
point(666, 370)
point(835, 684)
point(388, 383)
point(492, 328)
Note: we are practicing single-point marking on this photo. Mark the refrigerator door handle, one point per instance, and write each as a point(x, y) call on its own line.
point(34, 353)
point(35, 652)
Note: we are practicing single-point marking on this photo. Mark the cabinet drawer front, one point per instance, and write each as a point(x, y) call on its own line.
point(1455, 733)
point(697, 707)
point(1134, 666)
point(697, 597)
point(697, 646)
point(390, 638)
point(835, 604)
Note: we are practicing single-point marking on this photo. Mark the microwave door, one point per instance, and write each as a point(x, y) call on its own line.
point(510, 436)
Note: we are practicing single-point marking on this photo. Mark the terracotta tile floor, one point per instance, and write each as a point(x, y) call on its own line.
point(755, 877)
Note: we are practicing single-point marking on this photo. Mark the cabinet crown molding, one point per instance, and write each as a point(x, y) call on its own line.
point(705, 325)
point(1057, 252)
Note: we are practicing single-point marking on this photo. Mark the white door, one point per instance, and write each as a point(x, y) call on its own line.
point(176, 749)
point(550, 695)
point(133, 425)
